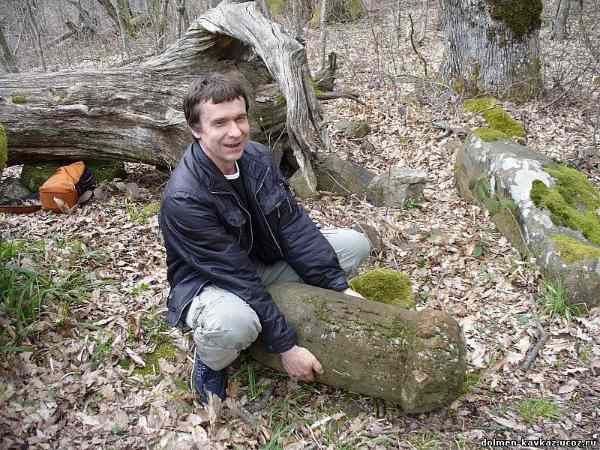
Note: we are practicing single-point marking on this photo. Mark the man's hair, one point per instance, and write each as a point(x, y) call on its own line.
point(217, 88)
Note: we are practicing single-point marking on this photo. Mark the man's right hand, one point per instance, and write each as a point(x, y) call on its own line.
point(300, 363)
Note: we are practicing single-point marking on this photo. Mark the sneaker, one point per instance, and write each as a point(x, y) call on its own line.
point(205, 380)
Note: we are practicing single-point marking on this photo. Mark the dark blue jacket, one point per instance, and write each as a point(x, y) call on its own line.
point(211, 238)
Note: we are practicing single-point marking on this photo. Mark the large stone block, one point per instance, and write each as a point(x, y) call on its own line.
point(500, 175)
point(416, 359)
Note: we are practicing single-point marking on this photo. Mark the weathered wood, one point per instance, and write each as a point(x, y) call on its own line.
point(134, 113)
point(416, 359)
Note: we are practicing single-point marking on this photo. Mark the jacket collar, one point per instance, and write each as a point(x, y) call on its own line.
point(251, 165)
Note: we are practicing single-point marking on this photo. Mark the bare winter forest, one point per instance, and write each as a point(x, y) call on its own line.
point(87, 360)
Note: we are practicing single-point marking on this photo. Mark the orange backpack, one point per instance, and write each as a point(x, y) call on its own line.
point(61, 185)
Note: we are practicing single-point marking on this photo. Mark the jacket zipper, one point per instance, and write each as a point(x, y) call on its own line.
point(243, 209)
point(263, 214)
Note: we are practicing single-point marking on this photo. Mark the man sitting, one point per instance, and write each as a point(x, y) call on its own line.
point(231, 227)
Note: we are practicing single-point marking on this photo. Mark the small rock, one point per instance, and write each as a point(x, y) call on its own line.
point(397, 186)
point(12, 191)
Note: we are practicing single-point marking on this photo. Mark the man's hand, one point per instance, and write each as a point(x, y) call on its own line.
point(300, 363)
point(352, 293)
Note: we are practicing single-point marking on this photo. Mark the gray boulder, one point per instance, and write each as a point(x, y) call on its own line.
point(499, 176)
point(12, 191)
point(340, 176)
point(395, 187)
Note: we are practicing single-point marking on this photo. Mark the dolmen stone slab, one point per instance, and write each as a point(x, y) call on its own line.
point(396, 186)
point(413, 358)
point(547, 211)
point(340, 176)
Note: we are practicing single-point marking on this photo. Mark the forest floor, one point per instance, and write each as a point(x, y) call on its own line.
point(73, 381)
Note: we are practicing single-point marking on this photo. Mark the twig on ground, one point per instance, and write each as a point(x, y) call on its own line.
point(534, 350)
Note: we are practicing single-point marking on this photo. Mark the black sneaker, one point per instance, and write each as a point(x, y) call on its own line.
point(205, 380)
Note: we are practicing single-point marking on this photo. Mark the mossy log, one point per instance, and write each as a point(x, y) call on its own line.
point(134, 113)
point(415, 359)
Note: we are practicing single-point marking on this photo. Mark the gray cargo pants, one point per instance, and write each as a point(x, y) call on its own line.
point(223, 324)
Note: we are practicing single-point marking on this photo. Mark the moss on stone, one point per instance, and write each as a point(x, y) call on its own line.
point(3, 148)
point(34, 175)
point(385, 286)
point(489, 134)
point(479, 104)
point(572, 250)
point(521, 17)
point(573, 202)
point(18, 99)
point(500, 120)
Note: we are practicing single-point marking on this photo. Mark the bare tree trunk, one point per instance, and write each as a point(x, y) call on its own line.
point(161, 21)
point(183, 20)
point(8, 58)
point(124, 38)
point(135, 114)
point(36, 32)
point(398, 22)
point(486, 51)
point(297, 22)
point(264, 9)
point(425, 18)
point(323, 30)
point(559, 27)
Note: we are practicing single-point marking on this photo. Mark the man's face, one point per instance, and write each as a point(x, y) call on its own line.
point(223, 132)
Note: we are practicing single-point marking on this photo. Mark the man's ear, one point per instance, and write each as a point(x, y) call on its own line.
point(195, 132)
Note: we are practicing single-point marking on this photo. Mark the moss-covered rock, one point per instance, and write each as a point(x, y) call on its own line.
point(480, 104)
point(385, 286)
point(500, 120)
point(573, 250)
point(34, 175)
point(3, 148)
point(489, 134)
point(573, 202)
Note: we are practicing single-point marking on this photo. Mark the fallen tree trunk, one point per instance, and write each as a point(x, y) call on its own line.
point(134, 113)
point(416, 359)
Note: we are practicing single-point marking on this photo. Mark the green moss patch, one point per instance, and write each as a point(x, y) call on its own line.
point(385, 286)
point(500, 120)
point(573, 202)
point(489, 135)
point(275, 6)
point(572, 250)
point(18, 99)
point(3, 148)
point(521, 17)
point(477, 105)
